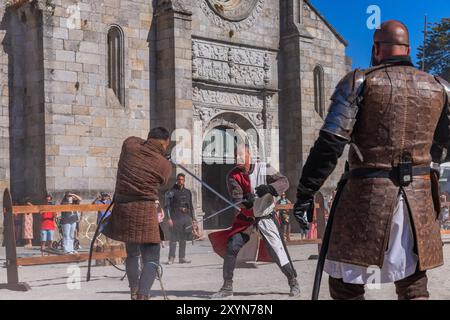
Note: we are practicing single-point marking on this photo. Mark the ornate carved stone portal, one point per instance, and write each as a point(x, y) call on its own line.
point(231, 78)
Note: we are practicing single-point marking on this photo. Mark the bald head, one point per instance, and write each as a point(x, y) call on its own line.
point(392, 32)
point(391, 39)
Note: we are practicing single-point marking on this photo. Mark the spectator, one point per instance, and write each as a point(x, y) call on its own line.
point(27, 226)
point(69, 221)
point(312, 232)
point(444, 214)
point(284, 218)
point(103, 198)
point(48, 226)
point(17, 226)
point(77, 246)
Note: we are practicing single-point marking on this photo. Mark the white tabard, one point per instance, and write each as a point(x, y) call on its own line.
point(400, 261)
point(266, 227)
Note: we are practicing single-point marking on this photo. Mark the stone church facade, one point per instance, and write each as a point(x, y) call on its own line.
point(79, 76)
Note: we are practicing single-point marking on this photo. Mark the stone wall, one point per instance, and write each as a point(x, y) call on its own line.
point(26, 102)
point(4, 113)
point(184, 63)
point(307, 41)
point(326, 49)
point(259, 29)
point(290, 114)
point(85, 123)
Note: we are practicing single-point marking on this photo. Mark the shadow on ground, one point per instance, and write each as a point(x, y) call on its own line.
point(196, 293)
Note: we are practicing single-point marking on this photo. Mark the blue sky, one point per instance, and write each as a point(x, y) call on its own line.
point(349, 17)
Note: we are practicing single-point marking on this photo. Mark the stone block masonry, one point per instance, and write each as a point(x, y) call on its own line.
point(181, 64)
point(85, 120)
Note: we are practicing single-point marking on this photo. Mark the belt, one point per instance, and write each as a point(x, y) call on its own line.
point(393, 174)
point(269, 216)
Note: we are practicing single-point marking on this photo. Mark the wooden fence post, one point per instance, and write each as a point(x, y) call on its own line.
point(10, 247)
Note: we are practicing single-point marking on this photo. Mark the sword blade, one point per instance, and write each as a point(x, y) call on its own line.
point(206, 185)
point(215, 214)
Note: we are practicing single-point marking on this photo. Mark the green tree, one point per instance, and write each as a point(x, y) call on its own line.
point(437, 49)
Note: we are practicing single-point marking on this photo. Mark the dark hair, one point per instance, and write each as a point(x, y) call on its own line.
point(159, 133)
point(181, 175)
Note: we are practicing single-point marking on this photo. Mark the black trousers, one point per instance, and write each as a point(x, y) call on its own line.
point(142, 277)
point(413, 287)
point(234, 245)
point(179, 233)
point(173, 249)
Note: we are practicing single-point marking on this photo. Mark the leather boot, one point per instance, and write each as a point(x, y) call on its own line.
point(134, 293)
point(142, 297)
point(295, 287)
point(184, 260)
point(225, 291)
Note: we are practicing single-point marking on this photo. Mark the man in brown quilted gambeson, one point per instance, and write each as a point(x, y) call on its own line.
point(142, 170)
point(396, 120)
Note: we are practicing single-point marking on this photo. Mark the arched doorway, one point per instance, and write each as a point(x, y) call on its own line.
point(218, 159)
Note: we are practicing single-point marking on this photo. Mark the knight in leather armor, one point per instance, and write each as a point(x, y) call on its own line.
point(396, 120)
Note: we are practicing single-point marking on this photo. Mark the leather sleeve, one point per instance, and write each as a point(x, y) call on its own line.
point(234, 189)
point(321, 162)
point(278, 181)
point(441, 140)
point(344, 107)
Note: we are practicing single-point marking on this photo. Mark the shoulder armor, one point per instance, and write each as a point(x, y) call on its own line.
point(344, 107)
point(446, 86)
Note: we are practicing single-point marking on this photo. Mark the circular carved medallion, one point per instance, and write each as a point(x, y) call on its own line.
point(233, 10)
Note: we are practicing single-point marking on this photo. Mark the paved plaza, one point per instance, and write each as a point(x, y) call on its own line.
point(197, 280)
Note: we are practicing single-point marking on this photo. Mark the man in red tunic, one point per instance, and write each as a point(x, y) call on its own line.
point(255, 220)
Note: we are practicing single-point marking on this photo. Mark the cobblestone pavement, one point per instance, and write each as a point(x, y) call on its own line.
point(197, 280)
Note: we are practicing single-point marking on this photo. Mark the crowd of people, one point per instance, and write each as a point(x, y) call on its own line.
point(177, 213)
point(66, 223)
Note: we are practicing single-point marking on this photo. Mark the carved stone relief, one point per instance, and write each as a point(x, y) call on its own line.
point(232, 14)
point(183, 6)
point(228, 100)
point(209, 102)
point(232, 65)
point(206, 114)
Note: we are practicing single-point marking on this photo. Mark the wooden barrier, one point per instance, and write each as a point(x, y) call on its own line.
point(12, 261)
